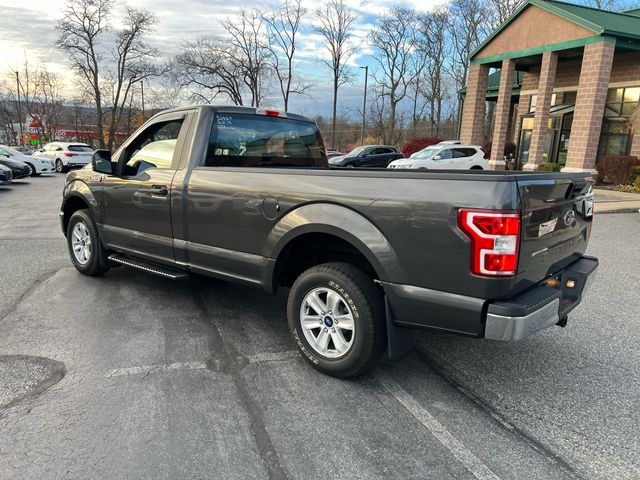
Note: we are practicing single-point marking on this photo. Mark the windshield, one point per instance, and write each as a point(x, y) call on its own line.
point(11, 151)
point(426, 153)
point(355, 152)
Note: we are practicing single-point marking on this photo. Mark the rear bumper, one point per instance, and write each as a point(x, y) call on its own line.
point(541, 306)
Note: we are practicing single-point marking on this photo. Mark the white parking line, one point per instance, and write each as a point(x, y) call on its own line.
point(166, 367)
point(459, 451)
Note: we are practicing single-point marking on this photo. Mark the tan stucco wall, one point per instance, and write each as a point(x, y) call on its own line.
point(533, 28)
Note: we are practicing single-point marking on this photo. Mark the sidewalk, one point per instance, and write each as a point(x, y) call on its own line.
point(609, 201)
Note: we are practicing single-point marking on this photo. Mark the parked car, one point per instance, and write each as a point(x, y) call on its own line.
point(367, 156)
point(245, 195)
point(18, 169)
point(66, 155)
point(6, 175)
point(23, 149)
point(445, 156)
point(37, 165)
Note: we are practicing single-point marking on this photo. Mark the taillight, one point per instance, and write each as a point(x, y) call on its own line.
point(494, 240)
point(67, 154)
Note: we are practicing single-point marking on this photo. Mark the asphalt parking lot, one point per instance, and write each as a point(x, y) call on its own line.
point(135, 376)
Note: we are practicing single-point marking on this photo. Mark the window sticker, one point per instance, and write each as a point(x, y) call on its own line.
point(223, 122)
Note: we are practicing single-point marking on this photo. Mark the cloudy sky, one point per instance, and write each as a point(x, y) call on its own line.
point(28, 28)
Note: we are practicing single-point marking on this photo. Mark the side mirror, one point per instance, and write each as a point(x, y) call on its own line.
point(438, 157)
point(101, 162)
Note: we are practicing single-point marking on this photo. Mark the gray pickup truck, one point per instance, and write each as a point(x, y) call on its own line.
point(368, 254)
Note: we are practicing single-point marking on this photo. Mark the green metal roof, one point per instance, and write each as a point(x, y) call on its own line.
point(493, 84)
point(600, 22)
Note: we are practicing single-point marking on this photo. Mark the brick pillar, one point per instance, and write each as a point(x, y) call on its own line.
point(590, 103)
point(541, 117)
point(502, 114)
point(473, 110)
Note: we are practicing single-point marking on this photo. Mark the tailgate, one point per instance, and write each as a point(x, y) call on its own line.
point(557, 211)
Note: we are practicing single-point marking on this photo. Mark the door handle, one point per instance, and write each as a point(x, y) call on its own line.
point(157, 190)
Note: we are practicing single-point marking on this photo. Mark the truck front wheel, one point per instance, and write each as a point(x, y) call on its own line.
point(84, 244)
point(336, 318)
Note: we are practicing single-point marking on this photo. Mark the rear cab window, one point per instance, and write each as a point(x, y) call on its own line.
point(246, 140)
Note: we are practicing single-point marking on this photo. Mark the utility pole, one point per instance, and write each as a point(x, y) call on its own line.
point(364, 102)
point(142, 86)
point(19, 109)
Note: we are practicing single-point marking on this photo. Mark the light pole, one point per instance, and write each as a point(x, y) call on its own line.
point(364, 102)
point(142, 86)
point(19, 109)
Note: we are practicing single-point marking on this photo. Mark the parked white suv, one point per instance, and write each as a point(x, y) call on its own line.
point(36, 165)
point(445, 156)
point(66, 155)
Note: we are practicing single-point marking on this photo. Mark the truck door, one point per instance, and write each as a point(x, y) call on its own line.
point(137, 198)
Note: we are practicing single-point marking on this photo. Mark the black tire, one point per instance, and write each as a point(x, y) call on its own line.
point(32, 170)
point(60, 168)
point(365, 301)
point(93, 266)
point(476, 167)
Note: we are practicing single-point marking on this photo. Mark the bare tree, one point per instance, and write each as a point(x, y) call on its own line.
point(205, 67)
point(166, 92)
point(133, 62)
point(282, 28)
point(394, 41)
point(502, 9)
point(433, 42)
point(8, 115)
point(50, 103)
point(248, 51)
point(81, 27)
point(469, 23)
point(335, 24)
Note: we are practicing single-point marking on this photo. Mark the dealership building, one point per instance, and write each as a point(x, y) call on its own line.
point(565, 82)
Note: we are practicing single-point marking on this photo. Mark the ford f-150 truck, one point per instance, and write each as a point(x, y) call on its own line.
point(247, 195)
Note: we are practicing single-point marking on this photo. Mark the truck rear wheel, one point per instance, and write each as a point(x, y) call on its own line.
point(336, 318)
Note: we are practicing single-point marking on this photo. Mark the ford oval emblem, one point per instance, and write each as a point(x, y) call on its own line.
point(569, 217)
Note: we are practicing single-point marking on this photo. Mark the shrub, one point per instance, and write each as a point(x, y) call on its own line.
point(635, 175)
point(616, 169)
point(509, 149)
point(549, 167)
point(417, 144)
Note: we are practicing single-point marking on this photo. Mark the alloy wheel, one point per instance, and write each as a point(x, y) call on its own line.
point(81, 243)
point(327, 322)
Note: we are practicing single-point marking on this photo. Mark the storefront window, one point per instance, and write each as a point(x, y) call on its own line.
point(614, 139)
point(621, 105)
point(533, 101)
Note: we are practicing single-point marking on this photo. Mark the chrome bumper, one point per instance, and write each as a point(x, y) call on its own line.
point(544, 306)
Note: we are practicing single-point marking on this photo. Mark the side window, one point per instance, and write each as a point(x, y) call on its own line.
point(153, 148)
point(445, 154)
point(241, 140)
point(462, 152)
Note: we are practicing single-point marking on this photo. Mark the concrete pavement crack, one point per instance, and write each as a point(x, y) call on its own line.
point(38, 281)
point(226, 359)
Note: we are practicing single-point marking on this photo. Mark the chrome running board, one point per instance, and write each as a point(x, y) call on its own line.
point(160, 270)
